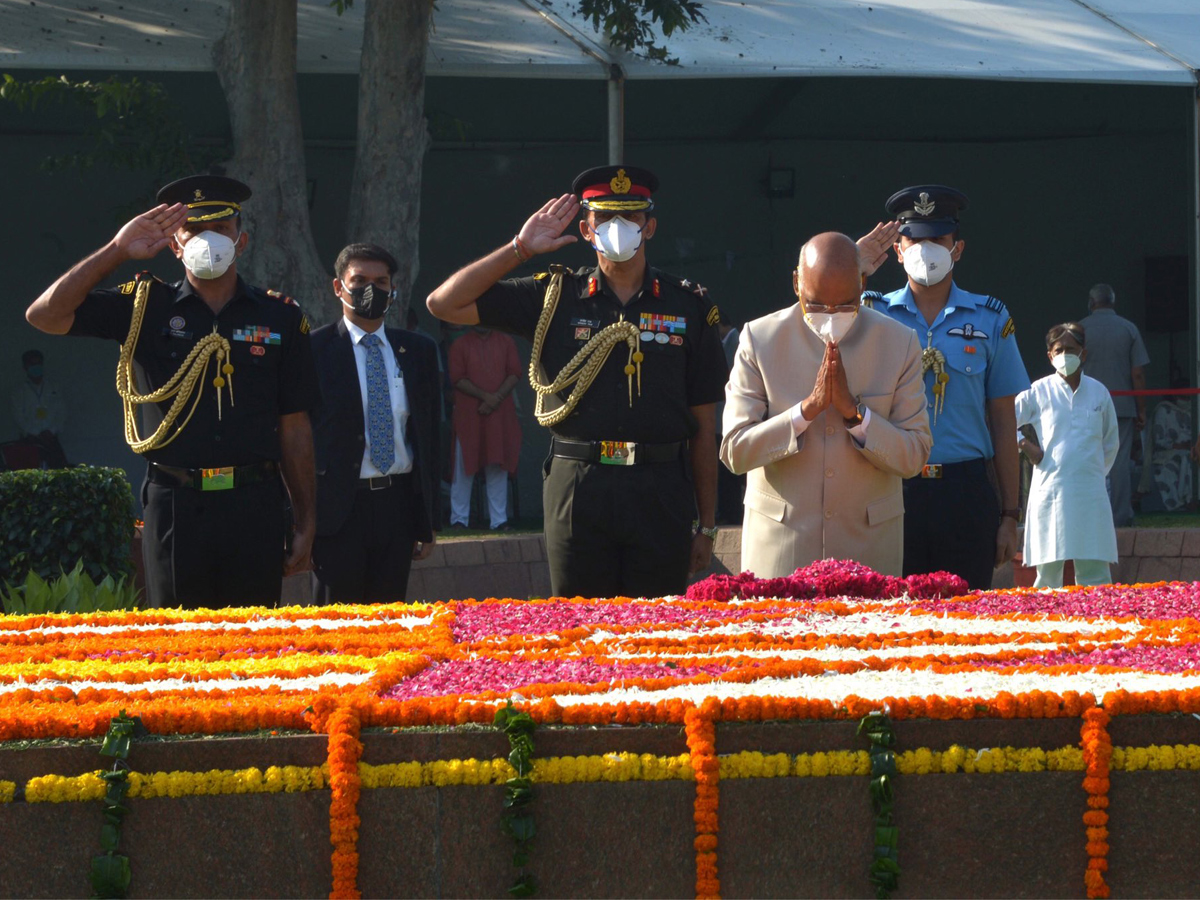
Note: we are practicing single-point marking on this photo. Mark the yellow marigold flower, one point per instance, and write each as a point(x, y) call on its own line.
point(820, 765)
point(8, 790)
point(954, 759)
point(802, 767)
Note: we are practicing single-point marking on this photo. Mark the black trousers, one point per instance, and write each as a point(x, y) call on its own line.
point(616, 531)
point(369, 559)
point(213, 548)
point(950, 523)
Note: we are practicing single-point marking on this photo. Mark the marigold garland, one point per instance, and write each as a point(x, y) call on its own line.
point(701, 732)
point(345, 750)
point(1097, 752)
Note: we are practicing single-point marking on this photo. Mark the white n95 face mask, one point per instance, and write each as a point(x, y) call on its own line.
point(927, 263)
point(1065, 364)
point(617, 239)
point(830, 326)
point(209, 254)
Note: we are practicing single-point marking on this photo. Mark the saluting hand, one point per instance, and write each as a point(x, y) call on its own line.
point(873, 246)
point(144, 236)
point(543, 231)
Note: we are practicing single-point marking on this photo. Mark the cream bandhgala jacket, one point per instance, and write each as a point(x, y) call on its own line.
point(820, 495)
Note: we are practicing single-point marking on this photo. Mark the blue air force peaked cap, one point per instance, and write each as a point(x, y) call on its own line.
point(926, 210)
point(208, 197)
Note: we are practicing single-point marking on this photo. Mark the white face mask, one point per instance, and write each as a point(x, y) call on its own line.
point(1065, 364)
point(927, 263)
point(617, 239)
point(209, 254)
point(830, 326)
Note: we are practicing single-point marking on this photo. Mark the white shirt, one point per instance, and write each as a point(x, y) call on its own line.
point(397, 394)
point(1068, 515)
point(38, 407)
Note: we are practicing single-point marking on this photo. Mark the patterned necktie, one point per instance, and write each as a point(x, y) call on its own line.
point(379, 407)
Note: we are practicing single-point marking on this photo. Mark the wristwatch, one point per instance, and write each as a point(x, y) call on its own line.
point(860, 414)
point(710, 533)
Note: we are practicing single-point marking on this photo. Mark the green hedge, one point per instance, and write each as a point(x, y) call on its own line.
point(52, 519)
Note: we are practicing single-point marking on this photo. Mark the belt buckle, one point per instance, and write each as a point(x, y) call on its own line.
point(932, 471)
point(379, 482)
point(216, 479)
point(617, 453)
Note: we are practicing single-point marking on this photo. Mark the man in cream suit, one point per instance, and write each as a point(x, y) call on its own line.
point(825, 412)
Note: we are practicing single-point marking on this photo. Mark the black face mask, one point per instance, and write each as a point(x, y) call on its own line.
point(369, 301)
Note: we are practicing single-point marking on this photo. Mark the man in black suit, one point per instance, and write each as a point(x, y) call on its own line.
point(377, 439)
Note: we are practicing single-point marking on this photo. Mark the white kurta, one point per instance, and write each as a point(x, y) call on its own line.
point(1068, 516)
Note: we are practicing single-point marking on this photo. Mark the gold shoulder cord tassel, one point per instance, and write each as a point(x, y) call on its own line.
point(932, 359)
point(183, 384)
point(584, 365)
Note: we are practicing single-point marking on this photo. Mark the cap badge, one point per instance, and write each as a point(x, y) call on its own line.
point(924, 206)
point(621, 183)
point(199, 194)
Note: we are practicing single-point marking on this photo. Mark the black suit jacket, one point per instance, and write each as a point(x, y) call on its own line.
point(339, 432)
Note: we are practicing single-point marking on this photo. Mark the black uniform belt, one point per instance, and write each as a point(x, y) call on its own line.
point(615, 453)
point(379, 482)
point(219, 479)
point(968, 470)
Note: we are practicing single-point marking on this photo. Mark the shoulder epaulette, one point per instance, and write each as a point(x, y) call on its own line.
point(687, 284)
point(994, 305)
point(130, 286)
point(870, 298)
point(281, 296)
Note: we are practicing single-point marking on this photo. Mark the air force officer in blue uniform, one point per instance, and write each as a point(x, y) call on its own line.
point(973, 371)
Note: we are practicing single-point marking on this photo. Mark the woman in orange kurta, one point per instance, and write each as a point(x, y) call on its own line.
point(484, 369)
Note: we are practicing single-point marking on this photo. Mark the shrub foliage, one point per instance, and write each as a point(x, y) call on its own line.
point(52, 519)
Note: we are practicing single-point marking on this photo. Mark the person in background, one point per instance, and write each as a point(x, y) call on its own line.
point(40, 410)
point(484, 369)
point(1076, 428)
point(377, 440)
point(1117, 359)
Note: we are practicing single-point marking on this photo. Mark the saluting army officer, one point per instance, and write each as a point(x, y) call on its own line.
point(972, 371)
point(225, 377)
point(630, 369)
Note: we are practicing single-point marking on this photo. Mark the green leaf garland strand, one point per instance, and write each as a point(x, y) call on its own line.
point(517, 820)
point(110, 873)
point(885, 869)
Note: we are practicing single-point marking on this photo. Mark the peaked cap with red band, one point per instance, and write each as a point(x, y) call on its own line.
point(615, 189)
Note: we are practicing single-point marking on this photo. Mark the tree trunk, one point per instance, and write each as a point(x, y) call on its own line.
point(385, 197)
point(256, 64)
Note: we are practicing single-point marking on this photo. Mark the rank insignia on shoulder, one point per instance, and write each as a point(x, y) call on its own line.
point(699, 290)
point(714, 315)
point(541, 275)
point(128, 287)
point(1008, 328)
point(278, 295)
point(304, 326)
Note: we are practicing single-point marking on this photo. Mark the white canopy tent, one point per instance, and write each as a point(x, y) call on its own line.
point(1130, 41)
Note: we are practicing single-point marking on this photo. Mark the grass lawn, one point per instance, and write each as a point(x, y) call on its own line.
point(1167, 520)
